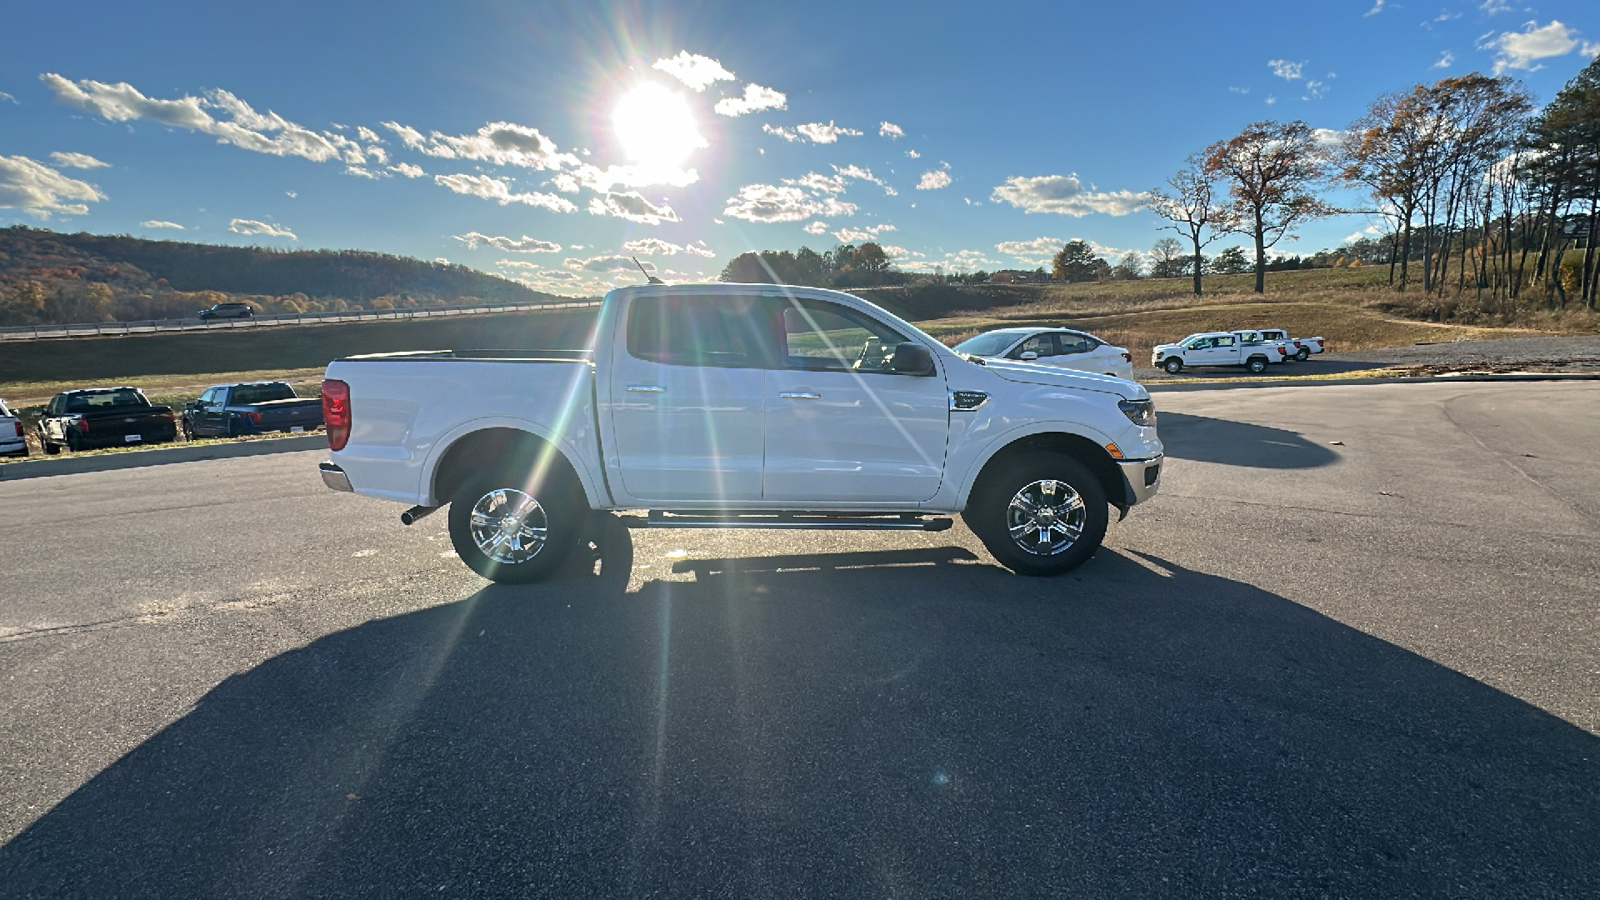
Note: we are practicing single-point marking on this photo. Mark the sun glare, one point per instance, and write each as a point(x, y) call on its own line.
point(656, 128)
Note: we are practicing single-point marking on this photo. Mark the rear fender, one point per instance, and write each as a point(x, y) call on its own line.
point(593, 488)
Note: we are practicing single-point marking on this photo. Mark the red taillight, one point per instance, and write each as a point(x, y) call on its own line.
point(83, 425)
point(254, 417)
point(336, 412)
point(1283, 351)
point(1127, 356)
point(171, 418)
point(1320, 344)
point(18, 424)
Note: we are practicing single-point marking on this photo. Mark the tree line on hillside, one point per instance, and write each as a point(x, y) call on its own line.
point(48, 277)
point(845, 266)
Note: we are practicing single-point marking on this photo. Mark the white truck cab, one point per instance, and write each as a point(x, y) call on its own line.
point(739, 405)
point(1219, 348)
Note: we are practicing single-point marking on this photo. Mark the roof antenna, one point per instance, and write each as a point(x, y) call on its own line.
point(648, 277)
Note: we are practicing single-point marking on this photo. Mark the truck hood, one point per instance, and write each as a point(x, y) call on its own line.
point(1034, 373)
point(1162, 348)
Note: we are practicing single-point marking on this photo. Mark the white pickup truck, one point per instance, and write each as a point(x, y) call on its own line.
point(1302, 348)
point(735, 405)
point(1219, 348)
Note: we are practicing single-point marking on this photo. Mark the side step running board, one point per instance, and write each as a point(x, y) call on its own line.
point(815, 521)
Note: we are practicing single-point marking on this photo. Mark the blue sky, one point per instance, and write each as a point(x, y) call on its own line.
point(543, 140)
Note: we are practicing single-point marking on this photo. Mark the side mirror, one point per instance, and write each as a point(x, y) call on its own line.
point(1029, 355)
point(911, 358)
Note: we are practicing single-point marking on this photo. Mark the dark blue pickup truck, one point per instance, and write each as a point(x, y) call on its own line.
point(256, 407)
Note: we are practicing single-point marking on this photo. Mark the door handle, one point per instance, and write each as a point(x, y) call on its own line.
point(799, 395)
point(647, 388)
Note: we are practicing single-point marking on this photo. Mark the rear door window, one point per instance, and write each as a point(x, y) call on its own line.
point(688, 330)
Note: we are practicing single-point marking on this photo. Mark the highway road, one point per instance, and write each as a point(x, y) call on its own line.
point(1352, 649)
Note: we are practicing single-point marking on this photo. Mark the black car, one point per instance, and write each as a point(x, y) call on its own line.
point(228, 311)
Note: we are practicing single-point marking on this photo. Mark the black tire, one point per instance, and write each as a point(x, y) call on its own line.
point(233, 428)
point(45, 445)
point(73, 443)
point(1173, 365)
point(526, 543)
point(1256, 365)
point(1006, 506)
point(1303, 354)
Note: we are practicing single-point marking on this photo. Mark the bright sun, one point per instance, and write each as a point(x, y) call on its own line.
point(656, 128)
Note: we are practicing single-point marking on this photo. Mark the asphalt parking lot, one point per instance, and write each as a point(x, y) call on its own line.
point(1351, 649)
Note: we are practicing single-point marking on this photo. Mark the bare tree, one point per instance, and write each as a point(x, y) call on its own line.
point(1189, 208)
point(1271, 169)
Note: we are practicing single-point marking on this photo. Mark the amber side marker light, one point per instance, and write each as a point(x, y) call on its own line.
point(336, 412)
point(1116, 452)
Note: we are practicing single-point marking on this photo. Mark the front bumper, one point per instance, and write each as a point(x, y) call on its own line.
point(1141, 478)
point(334, 477)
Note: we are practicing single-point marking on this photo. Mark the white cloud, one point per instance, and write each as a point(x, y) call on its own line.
point(240, 124)
point(518, 264)
point(523, 244)
point(39, 190)
point(364, 172)
point(1270, 100)
point(1377, 7)
point(934, 179)
point(1591, 50)
point(501, 143)
point(633, 207)
point(755, 99)
point(1328, 138)
point(891, 131)
point(866, 233)
point(1523, 49)
point(1064, 194)
point(7, 97)
point(1289, 71)
point(1445, 59)
point(77, 161)
point(698, 72)
point(368, 135)
point(860, 174)
point(818, 227)
point(251, 226)
point(818, 133)
point(605, 264)
point(634, 176)
point(819, 183)
point(499, 190)
point(1034, 251)
point(652, 247)
point(788, 134)
point(1315, 90)
point(771, 203)
point(699, 248)
point(158, 223)
point(408, 170)
point(1492, 7)
point(1238, 90)
point(913, 154)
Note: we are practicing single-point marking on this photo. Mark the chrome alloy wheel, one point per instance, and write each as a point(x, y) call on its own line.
point(509, 526)
point(1046, 517)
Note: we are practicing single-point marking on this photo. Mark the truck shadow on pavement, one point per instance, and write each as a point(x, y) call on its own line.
point(1204, 439)
point(916, 723)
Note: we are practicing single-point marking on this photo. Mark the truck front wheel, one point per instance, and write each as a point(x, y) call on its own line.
point(513, 531)
point(1040, 514)
point(1173, 365)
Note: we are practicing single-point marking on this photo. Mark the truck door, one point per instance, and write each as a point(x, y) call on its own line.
point(840, 426)
point(686, 398)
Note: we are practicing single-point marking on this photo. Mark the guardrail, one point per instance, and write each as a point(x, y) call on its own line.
point(154, 326)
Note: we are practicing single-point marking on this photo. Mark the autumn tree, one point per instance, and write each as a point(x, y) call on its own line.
point(1077, 262)
point(1565, 144)
point(1186, 203)
point(1271, 169)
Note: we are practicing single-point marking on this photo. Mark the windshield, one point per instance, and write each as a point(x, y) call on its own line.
point(992, 344)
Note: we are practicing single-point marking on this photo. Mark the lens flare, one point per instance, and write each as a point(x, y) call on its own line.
point(656, 128)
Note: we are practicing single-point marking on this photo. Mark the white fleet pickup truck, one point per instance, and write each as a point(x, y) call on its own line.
point(1219, 348)
point(734, 405)
point(1302, 347)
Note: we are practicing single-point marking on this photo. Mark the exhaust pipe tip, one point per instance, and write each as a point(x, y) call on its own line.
point(415, 514)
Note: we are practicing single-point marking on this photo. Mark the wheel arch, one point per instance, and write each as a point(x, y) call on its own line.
point(1093, 456)
point(495, 446)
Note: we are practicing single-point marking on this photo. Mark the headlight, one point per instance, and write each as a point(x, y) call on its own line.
point(1139, 412)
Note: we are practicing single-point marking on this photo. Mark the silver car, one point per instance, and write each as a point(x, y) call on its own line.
point(1052, 347)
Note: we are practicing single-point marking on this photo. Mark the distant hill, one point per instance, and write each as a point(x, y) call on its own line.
point(47, 276)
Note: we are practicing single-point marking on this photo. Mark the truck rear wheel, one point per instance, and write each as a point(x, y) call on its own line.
point(1040, 514)
point(513, 528)
point(1173, 365)
point(1256, 365)
point(1303, 354)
